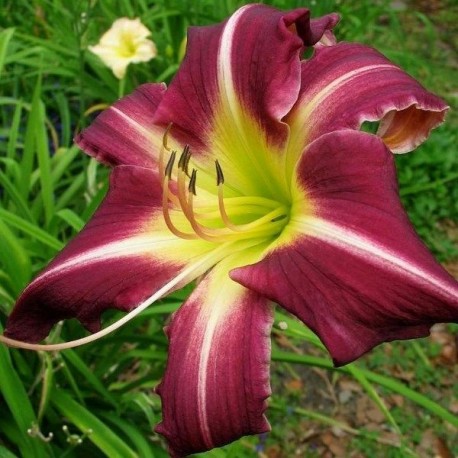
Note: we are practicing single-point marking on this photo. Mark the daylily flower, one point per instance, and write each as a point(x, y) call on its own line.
point(300, 208)
point(125, 43)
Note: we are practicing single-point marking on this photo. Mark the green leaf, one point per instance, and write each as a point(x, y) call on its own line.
point(15, 196)
point(4, 453)
point(361, 378)
point(136, 436)
point(31, 229)
point(5, 37)
point(72, 358)
point(14, 131)
point(17, 400)
point(70, 193)
point(102, 436)
point(61, 162)
point(15, 259)
point(41, 142)
point(71, 218)
point(387, 382)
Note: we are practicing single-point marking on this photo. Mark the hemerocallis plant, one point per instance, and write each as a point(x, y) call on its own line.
point(251, 175)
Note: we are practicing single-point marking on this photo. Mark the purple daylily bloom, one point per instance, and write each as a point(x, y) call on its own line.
point(301, 209)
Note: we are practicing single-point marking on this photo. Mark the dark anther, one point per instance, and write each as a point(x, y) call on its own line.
point(186, 161)
point(169, 166)
point(192, 182)
point(183, 157)
point(164, 138)
point(219, 173)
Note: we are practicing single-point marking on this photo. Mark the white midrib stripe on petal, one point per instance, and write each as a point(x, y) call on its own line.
point(124, 248)
point(352, 241)
point(318, 98)
point(148, 134)
point(221, 301)
point(211, 324)
point(234, 105)
point(202, 265)
point(225, 79)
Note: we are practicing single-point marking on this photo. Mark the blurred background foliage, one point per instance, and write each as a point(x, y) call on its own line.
point(85, 402)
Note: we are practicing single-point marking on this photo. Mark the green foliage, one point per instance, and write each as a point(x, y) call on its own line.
point(98, 405)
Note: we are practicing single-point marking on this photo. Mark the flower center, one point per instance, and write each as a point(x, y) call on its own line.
point(213, 217)
point(127, 46)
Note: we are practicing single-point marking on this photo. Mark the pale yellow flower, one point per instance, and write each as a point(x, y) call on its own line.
point(124, 43)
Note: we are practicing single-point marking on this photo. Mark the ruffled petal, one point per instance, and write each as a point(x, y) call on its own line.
point(123, 255)
point(217, 378)
point(348, 83)
point(349, 263)
point(124, 134)
point(233, 89)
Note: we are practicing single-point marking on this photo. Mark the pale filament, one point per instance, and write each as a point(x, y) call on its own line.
point(165, 204)
point(208, 234)
point(184, 201)
point(224, 234)
point(243, 201)
point(277, 213)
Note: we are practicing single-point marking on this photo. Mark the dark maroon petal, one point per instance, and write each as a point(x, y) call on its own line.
point(251, 60)
point(349, 263)
point(123, 255)
point(346, 84)
point(124, 133)
point(217, 378)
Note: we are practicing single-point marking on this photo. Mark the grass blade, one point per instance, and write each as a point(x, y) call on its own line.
point(386, 382)
point(15, 259)
point(136, 437)
point(71, 218)
point(31, 229)
point(5, 37)
point(41, 142)
point(16, 398)
point(102, 436)
point(77, 363)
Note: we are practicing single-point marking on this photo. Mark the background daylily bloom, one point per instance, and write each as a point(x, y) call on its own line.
point(300, 208)
point(124, 43)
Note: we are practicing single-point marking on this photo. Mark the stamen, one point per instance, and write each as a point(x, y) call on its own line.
point(192, 182)
point(182, 166)
point(183, 198)
point(211, 235)
point(165, 136)
point(201, 231)
point(186, 162)
point(248, 203)
point(181, 187)
point(278, 213)
point(169, 166)
point(168, 173)
point(166, 213)
point(183, 157)
point(163, 148)
point(222, 208)
point(219, 174)
point(225, 233)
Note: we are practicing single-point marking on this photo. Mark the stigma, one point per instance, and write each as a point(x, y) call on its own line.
point(212, 217)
